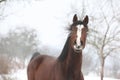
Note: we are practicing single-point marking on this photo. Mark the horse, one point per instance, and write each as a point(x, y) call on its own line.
point(67, 66)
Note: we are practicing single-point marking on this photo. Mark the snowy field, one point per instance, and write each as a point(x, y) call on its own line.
point(21, 75)
point(97, 78)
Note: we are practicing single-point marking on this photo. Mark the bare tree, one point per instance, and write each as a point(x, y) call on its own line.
point(2, 1)
point(19, 43)
point(106, 40)
point(4, 4)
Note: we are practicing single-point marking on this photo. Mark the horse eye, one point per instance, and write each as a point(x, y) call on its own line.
point(75, 42)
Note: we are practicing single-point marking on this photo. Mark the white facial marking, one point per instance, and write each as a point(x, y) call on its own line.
point(79, 31)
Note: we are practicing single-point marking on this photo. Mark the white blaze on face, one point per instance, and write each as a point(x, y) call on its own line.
point(79, 31)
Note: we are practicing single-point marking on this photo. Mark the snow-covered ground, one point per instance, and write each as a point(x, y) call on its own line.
point(97, 78)
point(22, 75)
point(19, 75)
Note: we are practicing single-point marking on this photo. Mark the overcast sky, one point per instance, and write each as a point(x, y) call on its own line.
point(48, 17)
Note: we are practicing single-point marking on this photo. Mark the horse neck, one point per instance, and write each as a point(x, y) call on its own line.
point(64, 52)
point(69, 59)
point(73, 60)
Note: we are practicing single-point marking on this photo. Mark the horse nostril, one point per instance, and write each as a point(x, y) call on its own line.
point(81, 42)
point(78, 46)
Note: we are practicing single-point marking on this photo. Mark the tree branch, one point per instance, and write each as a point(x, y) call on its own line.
point(105, 35)
point(111, 50)
point(2, 0)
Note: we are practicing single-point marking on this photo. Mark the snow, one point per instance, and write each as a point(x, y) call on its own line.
point(19, 75)
point(97, 78)
point(22, 75)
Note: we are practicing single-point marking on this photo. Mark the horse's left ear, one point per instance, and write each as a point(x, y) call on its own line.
point(75, 18)
point(86, 19)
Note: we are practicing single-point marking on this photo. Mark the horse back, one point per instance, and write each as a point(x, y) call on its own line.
point(40, 66)
point(35, 55)
point(45, 70)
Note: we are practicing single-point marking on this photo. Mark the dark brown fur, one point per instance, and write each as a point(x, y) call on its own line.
point(66, 67)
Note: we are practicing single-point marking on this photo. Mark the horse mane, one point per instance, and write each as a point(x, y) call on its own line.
point(74, 24)
point(64, 52)
point(34, 55)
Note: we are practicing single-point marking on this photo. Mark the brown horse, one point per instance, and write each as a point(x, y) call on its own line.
point(68, 65)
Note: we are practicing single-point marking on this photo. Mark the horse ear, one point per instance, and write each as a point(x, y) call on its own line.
point(75, 18)
point(86, 19)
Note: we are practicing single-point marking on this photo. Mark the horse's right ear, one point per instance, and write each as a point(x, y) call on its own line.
point(86, 19)
point(75, 18)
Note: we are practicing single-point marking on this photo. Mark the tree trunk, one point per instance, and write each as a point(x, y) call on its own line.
point(102, 68)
